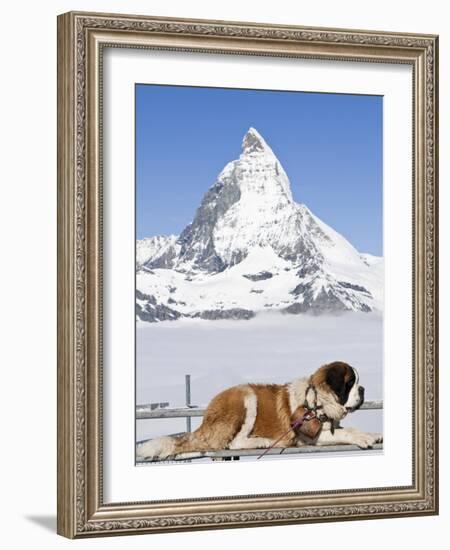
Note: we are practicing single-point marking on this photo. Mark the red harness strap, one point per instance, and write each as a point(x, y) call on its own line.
point(308, 415)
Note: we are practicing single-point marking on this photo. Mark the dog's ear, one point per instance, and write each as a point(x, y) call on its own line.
point(340, 378)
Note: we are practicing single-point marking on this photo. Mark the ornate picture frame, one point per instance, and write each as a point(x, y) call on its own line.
point(82, 40)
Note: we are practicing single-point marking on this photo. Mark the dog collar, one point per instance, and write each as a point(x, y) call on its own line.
point(315, 408)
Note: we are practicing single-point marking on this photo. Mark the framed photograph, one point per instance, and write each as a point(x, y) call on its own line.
point(247, 274)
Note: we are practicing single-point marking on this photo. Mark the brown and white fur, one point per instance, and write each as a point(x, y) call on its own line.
point(252, 416)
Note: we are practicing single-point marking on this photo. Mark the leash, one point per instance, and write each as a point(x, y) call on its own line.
point(307, 415)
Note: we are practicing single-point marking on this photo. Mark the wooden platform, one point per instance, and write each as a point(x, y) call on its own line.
point(245, 453)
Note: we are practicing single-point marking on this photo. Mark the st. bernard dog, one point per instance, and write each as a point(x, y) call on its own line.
point(252, 416)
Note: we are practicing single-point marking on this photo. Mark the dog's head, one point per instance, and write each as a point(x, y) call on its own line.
point(338, 389)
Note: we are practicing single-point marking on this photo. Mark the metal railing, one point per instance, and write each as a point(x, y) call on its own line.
point(143, 412)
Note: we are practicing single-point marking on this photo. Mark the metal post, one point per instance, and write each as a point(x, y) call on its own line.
point(188, 400)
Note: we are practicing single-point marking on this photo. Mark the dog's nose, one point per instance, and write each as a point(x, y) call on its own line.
point(361, 393)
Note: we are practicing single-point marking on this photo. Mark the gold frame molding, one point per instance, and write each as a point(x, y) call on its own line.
point(81, 38)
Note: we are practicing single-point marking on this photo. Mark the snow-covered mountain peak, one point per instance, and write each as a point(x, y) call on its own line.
point(258, 172)
point(253, 142)
point(249, 204)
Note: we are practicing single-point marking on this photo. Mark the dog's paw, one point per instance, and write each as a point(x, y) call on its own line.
point(366, 440)
point(379, 438)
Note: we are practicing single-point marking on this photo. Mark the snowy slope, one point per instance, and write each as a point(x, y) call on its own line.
point(156, 249)
point(252, 248)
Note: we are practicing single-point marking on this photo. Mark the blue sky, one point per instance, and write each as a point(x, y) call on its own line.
point(330, 146)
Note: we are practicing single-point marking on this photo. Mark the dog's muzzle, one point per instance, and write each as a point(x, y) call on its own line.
point(360, 400)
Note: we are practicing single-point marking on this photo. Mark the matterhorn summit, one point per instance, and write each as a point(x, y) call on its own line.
point(252, 248)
